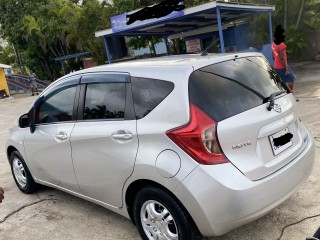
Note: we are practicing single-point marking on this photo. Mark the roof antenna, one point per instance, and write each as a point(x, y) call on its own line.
point(205, 52)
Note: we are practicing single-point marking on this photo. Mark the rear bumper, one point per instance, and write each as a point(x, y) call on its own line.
point(220, 198)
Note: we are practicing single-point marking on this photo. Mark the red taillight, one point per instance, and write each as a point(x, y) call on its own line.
point(198, 138)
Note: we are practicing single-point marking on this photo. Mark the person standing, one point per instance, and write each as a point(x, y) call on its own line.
point(1, 194)
point(33, 84)
point(280, 58)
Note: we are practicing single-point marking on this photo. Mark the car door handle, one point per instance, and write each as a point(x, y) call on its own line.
point(125, 136)
point(122, 136)
point(61, 136)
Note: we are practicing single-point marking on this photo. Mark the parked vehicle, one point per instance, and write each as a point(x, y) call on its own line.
point(186, 146)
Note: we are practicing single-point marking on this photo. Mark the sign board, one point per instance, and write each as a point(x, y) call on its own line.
point(120, 22)
point(193, 46)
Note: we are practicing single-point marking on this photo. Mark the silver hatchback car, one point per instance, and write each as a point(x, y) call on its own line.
point(186, 146)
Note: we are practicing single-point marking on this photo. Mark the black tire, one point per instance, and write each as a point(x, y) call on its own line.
point(21, 174)
point(317, 233)
point(181, 222)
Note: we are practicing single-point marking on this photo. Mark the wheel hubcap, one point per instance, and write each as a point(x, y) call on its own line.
point(19, 172)
point(157, 221)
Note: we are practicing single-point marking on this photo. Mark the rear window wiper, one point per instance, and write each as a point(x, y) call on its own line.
point(271, 99)
point(237, 82)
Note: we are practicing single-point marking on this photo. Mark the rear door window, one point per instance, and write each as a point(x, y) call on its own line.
point(228, 88)
point(105, 101)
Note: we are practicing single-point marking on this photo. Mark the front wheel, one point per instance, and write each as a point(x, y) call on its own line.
point(21, 173)
point(158, 215)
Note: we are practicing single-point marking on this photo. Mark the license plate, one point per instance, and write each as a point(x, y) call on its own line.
point(281, 141)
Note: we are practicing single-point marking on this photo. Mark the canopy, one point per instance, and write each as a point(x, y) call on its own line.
point(4, 66)
point(204, 18)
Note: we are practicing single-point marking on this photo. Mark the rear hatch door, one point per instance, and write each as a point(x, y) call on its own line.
point(236, 94)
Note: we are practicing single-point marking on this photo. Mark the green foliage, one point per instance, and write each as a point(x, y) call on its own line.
point(297, 27)
point(295, 41)
point(177, 46)
point(192, 3)
point(45, 29)
point(312, 14)
point(7, 56)
point(143, 42)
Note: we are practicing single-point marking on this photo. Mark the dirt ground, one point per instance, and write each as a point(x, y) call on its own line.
point(53, 215)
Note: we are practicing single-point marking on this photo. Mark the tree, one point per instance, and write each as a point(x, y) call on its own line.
point(7, 56)
point(93, 16)
point(298, 18)
point(46, 29)
point(146, 41)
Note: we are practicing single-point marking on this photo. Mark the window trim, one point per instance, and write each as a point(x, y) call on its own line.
point(90, 78)
point(76, 79)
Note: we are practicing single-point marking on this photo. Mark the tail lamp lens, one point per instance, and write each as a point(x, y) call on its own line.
point(198, 138)
point(208, 137)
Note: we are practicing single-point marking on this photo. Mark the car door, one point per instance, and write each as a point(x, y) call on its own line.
point(48, 148)
point(104, 140)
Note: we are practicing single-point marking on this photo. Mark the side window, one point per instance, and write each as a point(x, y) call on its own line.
point(57, 106)
point(105, 101)
point(148, 93)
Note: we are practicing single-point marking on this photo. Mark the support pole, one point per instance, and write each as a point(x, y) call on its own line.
point(220, 30)
point(107, 49)
point(63, 68)
point(84, 63)
point(270, 27)
point(167, 45)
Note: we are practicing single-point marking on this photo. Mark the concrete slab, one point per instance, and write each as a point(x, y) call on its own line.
point(53, 215)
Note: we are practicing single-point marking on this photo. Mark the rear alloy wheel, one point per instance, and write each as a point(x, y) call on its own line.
point(157, 222)
point(159, 216)
point(21, 173)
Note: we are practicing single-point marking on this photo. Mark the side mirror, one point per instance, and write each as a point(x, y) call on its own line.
point(28, 119)
point(24, 121)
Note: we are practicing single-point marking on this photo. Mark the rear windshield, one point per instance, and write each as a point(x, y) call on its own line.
point(228, 88)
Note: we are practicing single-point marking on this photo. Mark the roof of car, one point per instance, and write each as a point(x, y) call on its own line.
point(186, 60)
point(165, 66)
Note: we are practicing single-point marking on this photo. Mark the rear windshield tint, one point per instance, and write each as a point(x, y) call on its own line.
point(228, 88)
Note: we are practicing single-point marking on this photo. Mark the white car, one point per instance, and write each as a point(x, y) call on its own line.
point(186, 146)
